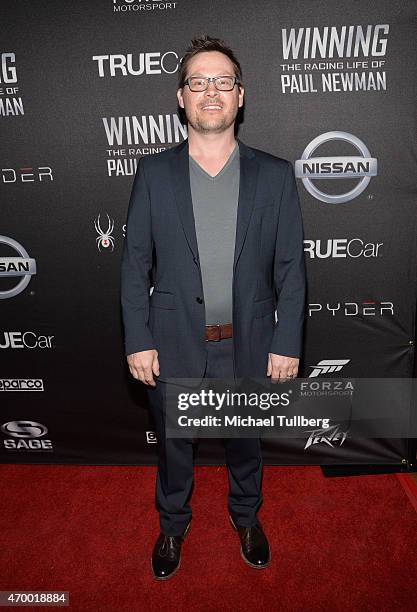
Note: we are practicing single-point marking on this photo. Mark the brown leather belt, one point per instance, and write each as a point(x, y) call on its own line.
point(218, 332)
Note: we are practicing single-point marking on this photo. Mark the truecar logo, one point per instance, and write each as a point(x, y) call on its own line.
point(361, 167)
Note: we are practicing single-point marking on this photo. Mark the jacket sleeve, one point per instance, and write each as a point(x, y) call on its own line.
point(289, 272)
point(136, 266)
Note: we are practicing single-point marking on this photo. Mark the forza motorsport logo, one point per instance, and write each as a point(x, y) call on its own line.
point(327, 388)
point(21, 267)
point(328, 366)
point(360, 167)
point(141, 6)
point(25, 436)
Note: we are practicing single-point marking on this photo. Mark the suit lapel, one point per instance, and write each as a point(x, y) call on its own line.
point(180, 172)
point(247, 189)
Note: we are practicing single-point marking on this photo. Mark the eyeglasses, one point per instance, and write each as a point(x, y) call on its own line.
point(221, 83)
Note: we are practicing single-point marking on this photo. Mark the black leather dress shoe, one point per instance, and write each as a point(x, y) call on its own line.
point(254, 546)
point(166, 556)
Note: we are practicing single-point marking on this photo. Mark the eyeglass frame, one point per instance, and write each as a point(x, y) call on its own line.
point(212, 80)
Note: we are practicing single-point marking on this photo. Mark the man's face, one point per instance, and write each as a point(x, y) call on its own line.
point(210, 111)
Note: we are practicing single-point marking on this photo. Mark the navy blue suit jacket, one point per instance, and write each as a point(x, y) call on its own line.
point(161, 250)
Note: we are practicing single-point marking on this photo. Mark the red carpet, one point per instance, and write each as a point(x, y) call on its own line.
point(409, 482)
point(337, 544)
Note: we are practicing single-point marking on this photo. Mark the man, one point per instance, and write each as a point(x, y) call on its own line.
point(215, 227)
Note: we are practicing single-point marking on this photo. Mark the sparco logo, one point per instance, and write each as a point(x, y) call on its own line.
point(27, 434)
point(361, 167)
point(22, 267)
point(21, 384)
point(342, 247)
point(328, 366)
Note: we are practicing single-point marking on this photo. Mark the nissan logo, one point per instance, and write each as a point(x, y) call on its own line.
point(361, 166)
point(22, 266)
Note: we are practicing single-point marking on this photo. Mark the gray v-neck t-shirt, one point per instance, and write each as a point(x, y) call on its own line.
point(215, 201)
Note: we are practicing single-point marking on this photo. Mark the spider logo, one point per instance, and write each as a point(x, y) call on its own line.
point(104, 239)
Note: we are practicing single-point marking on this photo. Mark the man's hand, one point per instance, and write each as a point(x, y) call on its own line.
point(281, 367)
point(144, 365)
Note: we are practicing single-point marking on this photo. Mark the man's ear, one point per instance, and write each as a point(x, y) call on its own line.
point(179, 98)
point(241, 95)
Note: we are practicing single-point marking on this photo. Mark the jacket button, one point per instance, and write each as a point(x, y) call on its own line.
point(199, 300)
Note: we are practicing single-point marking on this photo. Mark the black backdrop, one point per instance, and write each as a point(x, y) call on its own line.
point(89, 87)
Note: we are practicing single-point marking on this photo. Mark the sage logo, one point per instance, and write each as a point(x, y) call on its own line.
point(361, 167)
point(24, 429)
point(21, 267)
point(25, 436)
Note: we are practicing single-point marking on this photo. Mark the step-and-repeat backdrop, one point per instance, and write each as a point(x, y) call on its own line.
point(86, 89)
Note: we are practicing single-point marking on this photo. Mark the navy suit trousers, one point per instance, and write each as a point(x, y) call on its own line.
point(176, 458)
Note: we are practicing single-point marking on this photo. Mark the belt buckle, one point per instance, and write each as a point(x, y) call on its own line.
point(219, 327)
